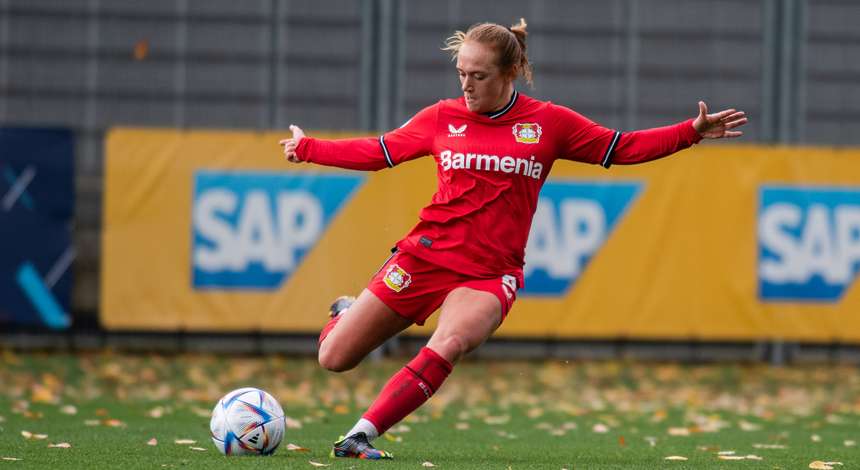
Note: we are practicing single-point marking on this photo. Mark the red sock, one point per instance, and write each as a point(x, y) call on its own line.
point(327, 328)
point(408, 389)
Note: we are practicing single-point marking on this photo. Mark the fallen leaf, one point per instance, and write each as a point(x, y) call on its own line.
point(185, 442)
point(818, 464)
point(730, 457)
point(43, 394)
point(156, 412)
point(753, 457)
point(769, 446)
point(679, 431)
point(152, 442)
point(114, 423)
point(600, 428)
point(33, 414)
point(461, 426)
point(317, 464)
point(292, 423)
point(675, 457)
point(11, 459)
point(341, 409)
point(496, 420)
point(20, 406)
point(92, 422)
point(835, 419)
point(815, 438)
point(69, 410)
point(391, 437)
point(726, 452)
point(400, 428)
point(27, 434)
point(658, 416)
point(294, 448)
point(850, 443)
point(199, 449)
point(747, 426)
point(652, 441)
point(621, 441)
point(427, 464)
point(61, 445)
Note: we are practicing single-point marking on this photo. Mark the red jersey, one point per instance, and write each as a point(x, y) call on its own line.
point(490, 168)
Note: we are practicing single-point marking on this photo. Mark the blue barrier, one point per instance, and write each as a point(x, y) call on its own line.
point(36, 207)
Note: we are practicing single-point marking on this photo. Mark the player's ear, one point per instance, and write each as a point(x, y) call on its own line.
point(514, 72)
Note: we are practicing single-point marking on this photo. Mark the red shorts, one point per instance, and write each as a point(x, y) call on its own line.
point(415, 288)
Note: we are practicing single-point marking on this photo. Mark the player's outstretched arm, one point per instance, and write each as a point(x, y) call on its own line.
point(291, 143)
point(364, 153)
point(650, 144)
point(718, 125)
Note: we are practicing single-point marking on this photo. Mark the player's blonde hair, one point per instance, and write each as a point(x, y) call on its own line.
point(509, 42)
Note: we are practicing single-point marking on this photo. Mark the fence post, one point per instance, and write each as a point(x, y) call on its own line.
point(368, 65)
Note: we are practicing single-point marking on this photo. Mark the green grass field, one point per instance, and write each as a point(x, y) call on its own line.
point(108, 408)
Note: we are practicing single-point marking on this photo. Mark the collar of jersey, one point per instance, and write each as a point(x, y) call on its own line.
point(501, 112)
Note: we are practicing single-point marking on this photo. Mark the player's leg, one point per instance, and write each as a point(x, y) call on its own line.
point(352, 336)
point(467, 319)
point(416, 289)
point(339, 306)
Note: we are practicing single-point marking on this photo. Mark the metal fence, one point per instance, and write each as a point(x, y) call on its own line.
point(370, 64)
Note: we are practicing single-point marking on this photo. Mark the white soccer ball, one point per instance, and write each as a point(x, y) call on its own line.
point(247, 421)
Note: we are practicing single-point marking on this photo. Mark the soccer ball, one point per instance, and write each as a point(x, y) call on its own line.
point(247, 421)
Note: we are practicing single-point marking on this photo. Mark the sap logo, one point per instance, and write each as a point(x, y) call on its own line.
point(808, 243)
point(571, 223)
point(251, 230)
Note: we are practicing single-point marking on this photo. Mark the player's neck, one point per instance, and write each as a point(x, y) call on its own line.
point(509, 97)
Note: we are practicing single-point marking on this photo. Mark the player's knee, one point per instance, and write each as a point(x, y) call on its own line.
point(454, 347)
point(332, 359)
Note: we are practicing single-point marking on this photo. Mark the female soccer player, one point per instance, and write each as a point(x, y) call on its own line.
point(494, 148)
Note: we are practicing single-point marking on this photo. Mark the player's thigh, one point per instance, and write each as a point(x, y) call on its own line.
point(468, 317)
point(365, 326)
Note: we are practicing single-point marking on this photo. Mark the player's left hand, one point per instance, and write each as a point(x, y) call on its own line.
point(718, 125)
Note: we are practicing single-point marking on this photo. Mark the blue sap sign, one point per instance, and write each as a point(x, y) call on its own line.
point(808, 242)
point(571, 223)
point(251, 230)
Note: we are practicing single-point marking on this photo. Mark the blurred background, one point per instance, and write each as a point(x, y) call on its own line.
point(75, 74)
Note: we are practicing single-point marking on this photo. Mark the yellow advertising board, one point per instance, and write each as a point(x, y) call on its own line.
point(214, 231)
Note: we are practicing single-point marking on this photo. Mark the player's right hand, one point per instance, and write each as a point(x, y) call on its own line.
point(291, 144)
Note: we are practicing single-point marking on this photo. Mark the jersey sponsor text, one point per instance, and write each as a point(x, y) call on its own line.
point(479, 161)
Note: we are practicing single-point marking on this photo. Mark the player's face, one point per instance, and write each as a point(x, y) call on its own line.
point(485, 86)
